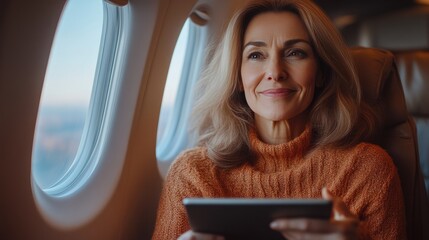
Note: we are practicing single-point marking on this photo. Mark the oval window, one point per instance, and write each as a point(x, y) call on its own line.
point(67, 90)
point(185, 67)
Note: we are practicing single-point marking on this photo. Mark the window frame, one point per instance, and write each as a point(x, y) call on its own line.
point(99, 118)
point(176, 138)
point(72, 201)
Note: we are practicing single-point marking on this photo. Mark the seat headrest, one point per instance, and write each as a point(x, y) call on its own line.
point(380, 83)
point(413, 67)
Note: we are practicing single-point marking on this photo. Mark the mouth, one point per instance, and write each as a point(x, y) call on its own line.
point(278, 92)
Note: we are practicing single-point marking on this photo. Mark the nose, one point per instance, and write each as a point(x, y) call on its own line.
point(275, 70)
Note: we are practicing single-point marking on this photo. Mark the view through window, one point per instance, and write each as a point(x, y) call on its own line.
point(172, 83)
point(67, 90)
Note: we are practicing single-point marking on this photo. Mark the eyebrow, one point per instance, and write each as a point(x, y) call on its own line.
point(286, 44)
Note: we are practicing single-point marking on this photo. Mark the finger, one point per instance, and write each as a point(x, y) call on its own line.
point(340, 210)
point(205, 236)
point(310, 227)
point(326, 194)
point(190, 235)
point(304, 235)
point(288, 235)
point(303, 225)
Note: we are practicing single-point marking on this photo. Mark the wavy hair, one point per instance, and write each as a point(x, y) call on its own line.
point(222, 118)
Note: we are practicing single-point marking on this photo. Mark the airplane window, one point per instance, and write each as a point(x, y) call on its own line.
point(84, 117)
point(67, 90)
point(173, 78)
point(184, 70)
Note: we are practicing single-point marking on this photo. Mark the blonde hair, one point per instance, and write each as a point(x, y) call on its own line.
point(222, 118)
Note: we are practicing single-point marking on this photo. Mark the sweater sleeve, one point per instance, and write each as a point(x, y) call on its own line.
point(384, 215)
point(171, 219)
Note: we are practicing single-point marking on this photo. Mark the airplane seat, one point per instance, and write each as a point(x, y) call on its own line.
point(382, 89)
point(413, 67)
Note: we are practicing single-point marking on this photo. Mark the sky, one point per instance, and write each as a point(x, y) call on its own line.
point(176, 66)
point(74, 53)
point(71, 69)
point(68, 85)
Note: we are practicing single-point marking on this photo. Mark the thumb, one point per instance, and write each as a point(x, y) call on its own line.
point(340, 210)
point(326, 194)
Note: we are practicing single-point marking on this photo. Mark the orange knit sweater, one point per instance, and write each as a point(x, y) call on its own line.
point(363, 176)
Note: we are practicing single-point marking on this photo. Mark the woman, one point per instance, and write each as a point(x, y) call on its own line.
point(280, 116)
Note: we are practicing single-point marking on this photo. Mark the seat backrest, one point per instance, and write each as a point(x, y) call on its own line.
point(382, 89)
point(413, 67)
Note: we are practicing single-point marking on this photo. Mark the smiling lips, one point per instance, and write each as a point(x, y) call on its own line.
point(277, 92)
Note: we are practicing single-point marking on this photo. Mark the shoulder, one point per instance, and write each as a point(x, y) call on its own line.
point(193, 157)
point(372, 160)
point(191, 163)
point(373, 154)
point(361, 159)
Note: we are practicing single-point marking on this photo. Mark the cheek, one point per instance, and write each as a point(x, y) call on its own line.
point(308, 79)
point(249, 83)
point(249, 77)
point(309, 88)
point(309, 85)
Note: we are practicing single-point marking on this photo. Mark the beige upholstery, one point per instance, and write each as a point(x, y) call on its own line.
point(382, 89)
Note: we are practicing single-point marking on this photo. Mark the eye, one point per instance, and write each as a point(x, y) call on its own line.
point(255, 55)
point(296, 53)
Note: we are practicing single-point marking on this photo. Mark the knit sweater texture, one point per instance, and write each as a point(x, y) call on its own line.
point(364, 176)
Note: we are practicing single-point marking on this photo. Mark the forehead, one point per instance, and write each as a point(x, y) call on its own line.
point(267, 25)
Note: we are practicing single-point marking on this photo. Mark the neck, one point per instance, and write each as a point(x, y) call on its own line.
point(277, 132)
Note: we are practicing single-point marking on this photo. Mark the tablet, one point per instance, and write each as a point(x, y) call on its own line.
point(248, 218)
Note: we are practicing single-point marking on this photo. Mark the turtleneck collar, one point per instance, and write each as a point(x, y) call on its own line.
point(272, 157)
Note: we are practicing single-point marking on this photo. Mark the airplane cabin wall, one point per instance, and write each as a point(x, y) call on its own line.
point(27, 29)
point(27, 32)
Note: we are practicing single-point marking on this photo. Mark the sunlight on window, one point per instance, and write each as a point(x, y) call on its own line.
point(172, 84)
point(67, 90)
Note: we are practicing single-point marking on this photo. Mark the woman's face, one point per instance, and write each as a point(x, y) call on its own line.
point(279, 67)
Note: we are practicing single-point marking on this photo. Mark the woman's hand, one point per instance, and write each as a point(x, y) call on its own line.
point(190, 235)
point(343, 225)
